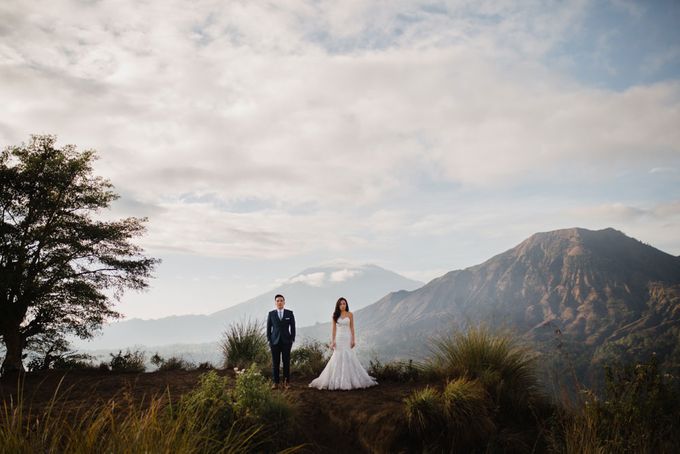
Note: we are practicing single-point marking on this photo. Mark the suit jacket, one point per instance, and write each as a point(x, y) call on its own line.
point(281, 331)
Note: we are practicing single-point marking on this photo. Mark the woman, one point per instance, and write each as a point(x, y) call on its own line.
point(343, 371)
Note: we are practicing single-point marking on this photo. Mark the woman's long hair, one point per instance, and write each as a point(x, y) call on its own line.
point(336, 314)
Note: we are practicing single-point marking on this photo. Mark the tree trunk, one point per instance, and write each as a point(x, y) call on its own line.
point(15, 348)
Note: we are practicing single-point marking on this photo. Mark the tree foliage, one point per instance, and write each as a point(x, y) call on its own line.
point(62, 265)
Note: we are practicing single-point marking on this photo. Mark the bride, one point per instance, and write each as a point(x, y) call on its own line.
point(343, 371)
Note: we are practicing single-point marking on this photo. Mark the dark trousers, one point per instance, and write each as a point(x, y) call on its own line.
point(281, 350)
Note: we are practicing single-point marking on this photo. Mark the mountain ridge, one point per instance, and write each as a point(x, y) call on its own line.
point(597, 287)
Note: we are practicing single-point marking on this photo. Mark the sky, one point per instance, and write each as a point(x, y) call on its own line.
point(264, 138)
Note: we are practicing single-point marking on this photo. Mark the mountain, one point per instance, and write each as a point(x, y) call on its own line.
point(311, 294)
point(604, 294)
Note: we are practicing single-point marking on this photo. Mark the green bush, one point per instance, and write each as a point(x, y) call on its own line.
point(128, 361)
point(310, 358)
point(243, 344)
point(254, 401)
point(212, 402)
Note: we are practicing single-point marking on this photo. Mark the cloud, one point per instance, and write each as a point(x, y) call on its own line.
point(247, 130)
point(343, 275)
point(663, 170)
point(311, 279)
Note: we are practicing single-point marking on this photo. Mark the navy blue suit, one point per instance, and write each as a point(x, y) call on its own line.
point(281, 335)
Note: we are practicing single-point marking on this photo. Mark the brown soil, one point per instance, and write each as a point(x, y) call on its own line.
point(358, 421)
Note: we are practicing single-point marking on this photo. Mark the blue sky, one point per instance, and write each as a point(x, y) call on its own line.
point(263, 138)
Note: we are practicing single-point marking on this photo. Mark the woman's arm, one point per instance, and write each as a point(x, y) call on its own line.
point(333, 337)
point(351, 327)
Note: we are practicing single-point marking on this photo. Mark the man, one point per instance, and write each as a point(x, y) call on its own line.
point(281, 335)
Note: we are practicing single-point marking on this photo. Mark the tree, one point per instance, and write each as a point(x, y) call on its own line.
point(62, 266)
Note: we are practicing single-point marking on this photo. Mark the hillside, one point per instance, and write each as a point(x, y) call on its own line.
point(606, 293)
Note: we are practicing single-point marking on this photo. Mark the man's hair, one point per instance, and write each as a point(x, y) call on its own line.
point(281, 296)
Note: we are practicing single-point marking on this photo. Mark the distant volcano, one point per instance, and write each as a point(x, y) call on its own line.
point(311, 294)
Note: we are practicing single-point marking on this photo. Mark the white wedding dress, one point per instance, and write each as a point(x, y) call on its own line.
point(343, 371)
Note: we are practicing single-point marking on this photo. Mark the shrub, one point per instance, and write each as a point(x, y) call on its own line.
point(212, 402)
point(206, 365)
point(399, 371)
point(128, 361)
point(74, 361)
point(172, 363)
point(254, 401)
point(309, 358)
point(639, 412)
point(243, 344)
point(251, 391)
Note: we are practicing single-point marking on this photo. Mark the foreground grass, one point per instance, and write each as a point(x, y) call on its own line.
point(213, 418)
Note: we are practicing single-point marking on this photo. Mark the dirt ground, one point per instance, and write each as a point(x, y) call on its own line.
point(358, 421)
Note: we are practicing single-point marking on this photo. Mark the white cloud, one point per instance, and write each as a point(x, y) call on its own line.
point(343, 275)
point(320, 112)
point(663, 170)
point(311, 279)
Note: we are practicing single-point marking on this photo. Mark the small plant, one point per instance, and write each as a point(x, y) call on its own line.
point(243, 344)
point(251, 391)
point(128, 361)
point(310, 358)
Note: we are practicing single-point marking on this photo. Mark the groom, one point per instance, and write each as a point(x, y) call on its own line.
point(281, 335)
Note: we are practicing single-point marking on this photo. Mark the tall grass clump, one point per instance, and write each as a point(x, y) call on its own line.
point(506, 369)
point(310, 358)
point(424, 413)
point(245, 343)
point(467, 412)
point(457, 419)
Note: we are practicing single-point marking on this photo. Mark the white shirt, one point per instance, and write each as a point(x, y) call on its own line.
point(280, 314)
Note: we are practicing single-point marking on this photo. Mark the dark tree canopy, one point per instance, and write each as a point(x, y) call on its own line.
point(62, 266)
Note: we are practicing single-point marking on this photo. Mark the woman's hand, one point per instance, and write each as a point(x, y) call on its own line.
point(353, 344)
point(332, 345)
